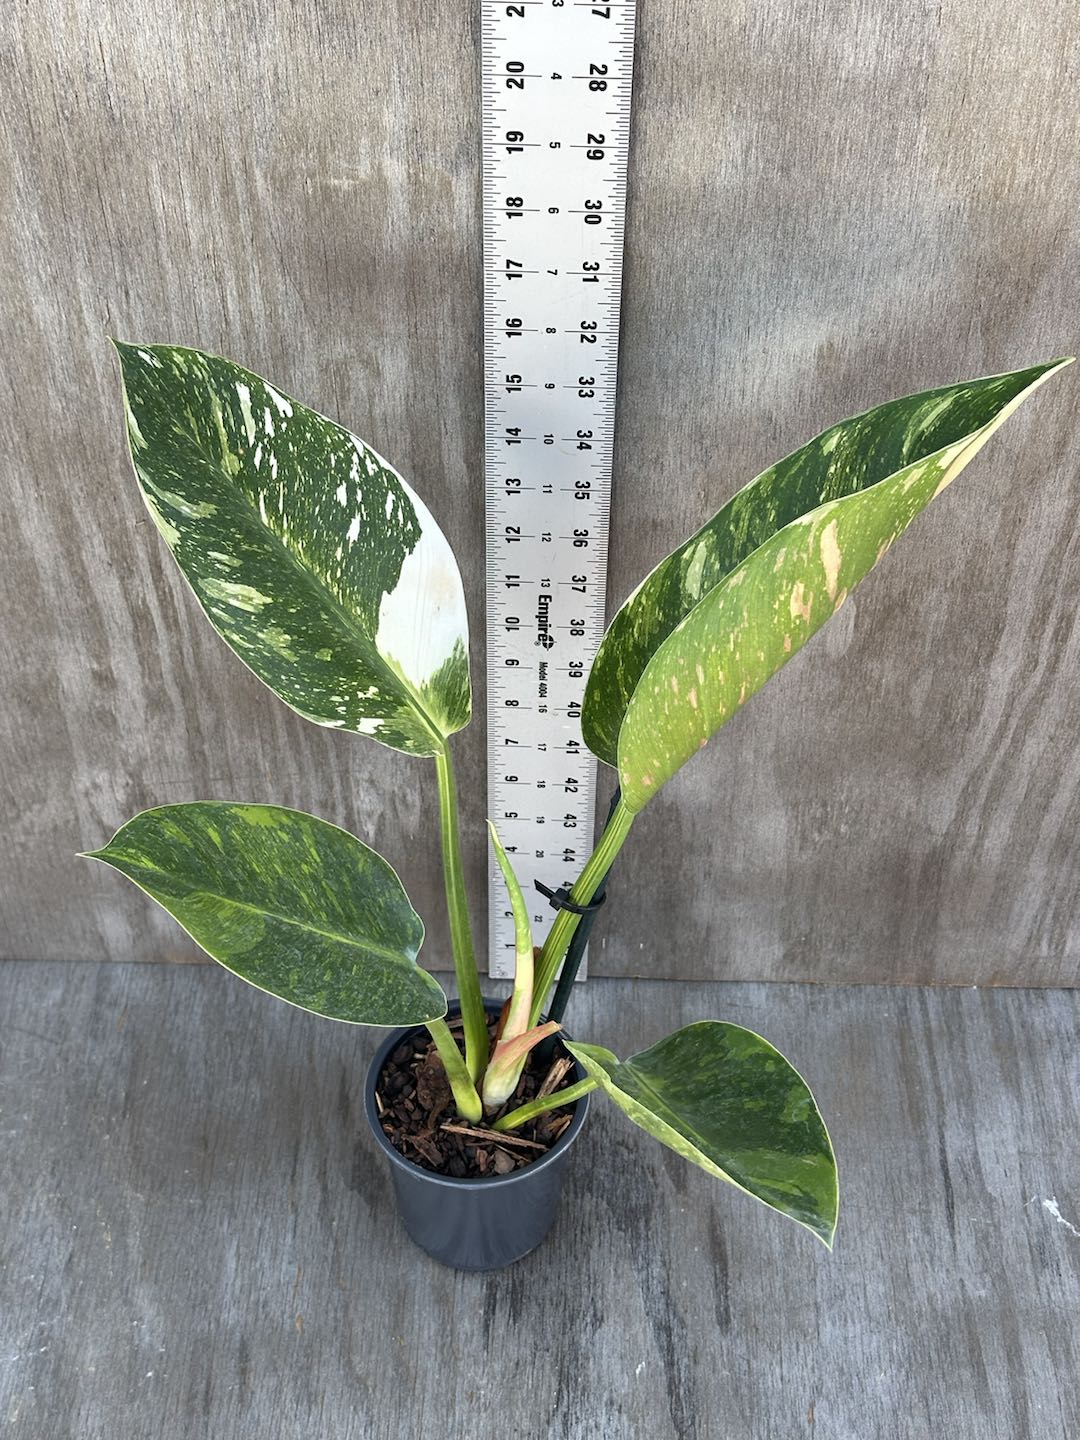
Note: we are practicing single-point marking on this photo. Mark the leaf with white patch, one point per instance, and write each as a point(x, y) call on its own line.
point(311, 556)
point(290, 903)
point(722, 614)
point(726, 1100)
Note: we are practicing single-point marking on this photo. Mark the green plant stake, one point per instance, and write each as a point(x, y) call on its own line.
point(326, 574)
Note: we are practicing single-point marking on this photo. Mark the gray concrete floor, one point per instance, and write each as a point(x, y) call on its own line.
point(197, 1239)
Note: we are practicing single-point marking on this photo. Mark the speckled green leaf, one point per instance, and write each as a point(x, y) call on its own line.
point(726, 1100)
point(310, 555)
point(289, 903)
point(721, 614)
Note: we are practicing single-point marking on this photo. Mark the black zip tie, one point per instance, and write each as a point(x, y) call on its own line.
point(578, 941)
point(560, 900)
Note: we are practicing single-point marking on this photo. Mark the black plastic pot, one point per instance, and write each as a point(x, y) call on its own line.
point(474, 1224)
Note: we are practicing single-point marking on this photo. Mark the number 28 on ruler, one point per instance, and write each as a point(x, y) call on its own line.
point(556, 88)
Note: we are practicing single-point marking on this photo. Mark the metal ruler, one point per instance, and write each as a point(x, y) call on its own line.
point(556, 130)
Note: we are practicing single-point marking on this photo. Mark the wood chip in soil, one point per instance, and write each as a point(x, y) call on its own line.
point(416, 1112)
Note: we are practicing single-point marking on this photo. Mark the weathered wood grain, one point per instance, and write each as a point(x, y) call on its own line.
point(198, 1239)
point(828, 206)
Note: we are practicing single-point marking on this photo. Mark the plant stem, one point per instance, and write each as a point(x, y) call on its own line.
point(547, 1102)
point(468, 980)
point(457, 1072)
point(585, 887)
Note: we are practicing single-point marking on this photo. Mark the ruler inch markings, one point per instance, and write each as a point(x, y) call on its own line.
point(556, 86)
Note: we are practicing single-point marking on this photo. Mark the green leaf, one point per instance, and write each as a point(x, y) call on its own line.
point(289, 903)
point(311, 556)
point(723, 1098)
point(727, 609)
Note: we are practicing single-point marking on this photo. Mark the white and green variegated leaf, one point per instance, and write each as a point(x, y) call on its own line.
point(725, 1099)
point(289, 903)
point(727, 609)
point(311, 556)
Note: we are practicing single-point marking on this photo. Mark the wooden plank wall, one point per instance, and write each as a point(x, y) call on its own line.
point(829, 205)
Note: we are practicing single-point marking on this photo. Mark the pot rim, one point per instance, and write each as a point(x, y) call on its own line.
point(485, 1182)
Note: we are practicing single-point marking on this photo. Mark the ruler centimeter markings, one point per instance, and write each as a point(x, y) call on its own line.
point(556, 130)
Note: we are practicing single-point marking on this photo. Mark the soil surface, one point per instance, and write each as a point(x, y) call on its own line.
point(416, 1111)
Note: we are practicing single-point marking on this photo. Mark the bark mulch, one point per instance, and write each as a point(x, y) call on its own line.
point(416, 1111)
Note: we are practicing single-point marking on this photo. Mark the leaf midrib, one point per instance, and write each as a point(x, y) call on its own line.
point(316, 583)
point(960, 446)
point(664, 1111)
point(963, 442)
point(370, 946)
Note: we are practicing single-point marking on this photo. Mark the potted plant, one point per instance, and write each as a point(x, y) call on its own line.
point(329, 578)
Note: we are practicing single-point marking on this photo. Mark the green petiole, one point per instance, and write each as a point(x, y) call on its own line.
point(547, 1102)
point(457, 1072)
point(585, 887)
point(468, 978)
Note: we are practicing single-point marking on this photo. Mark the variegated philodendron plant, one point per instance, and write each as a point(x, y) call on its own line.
point(324, 571)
